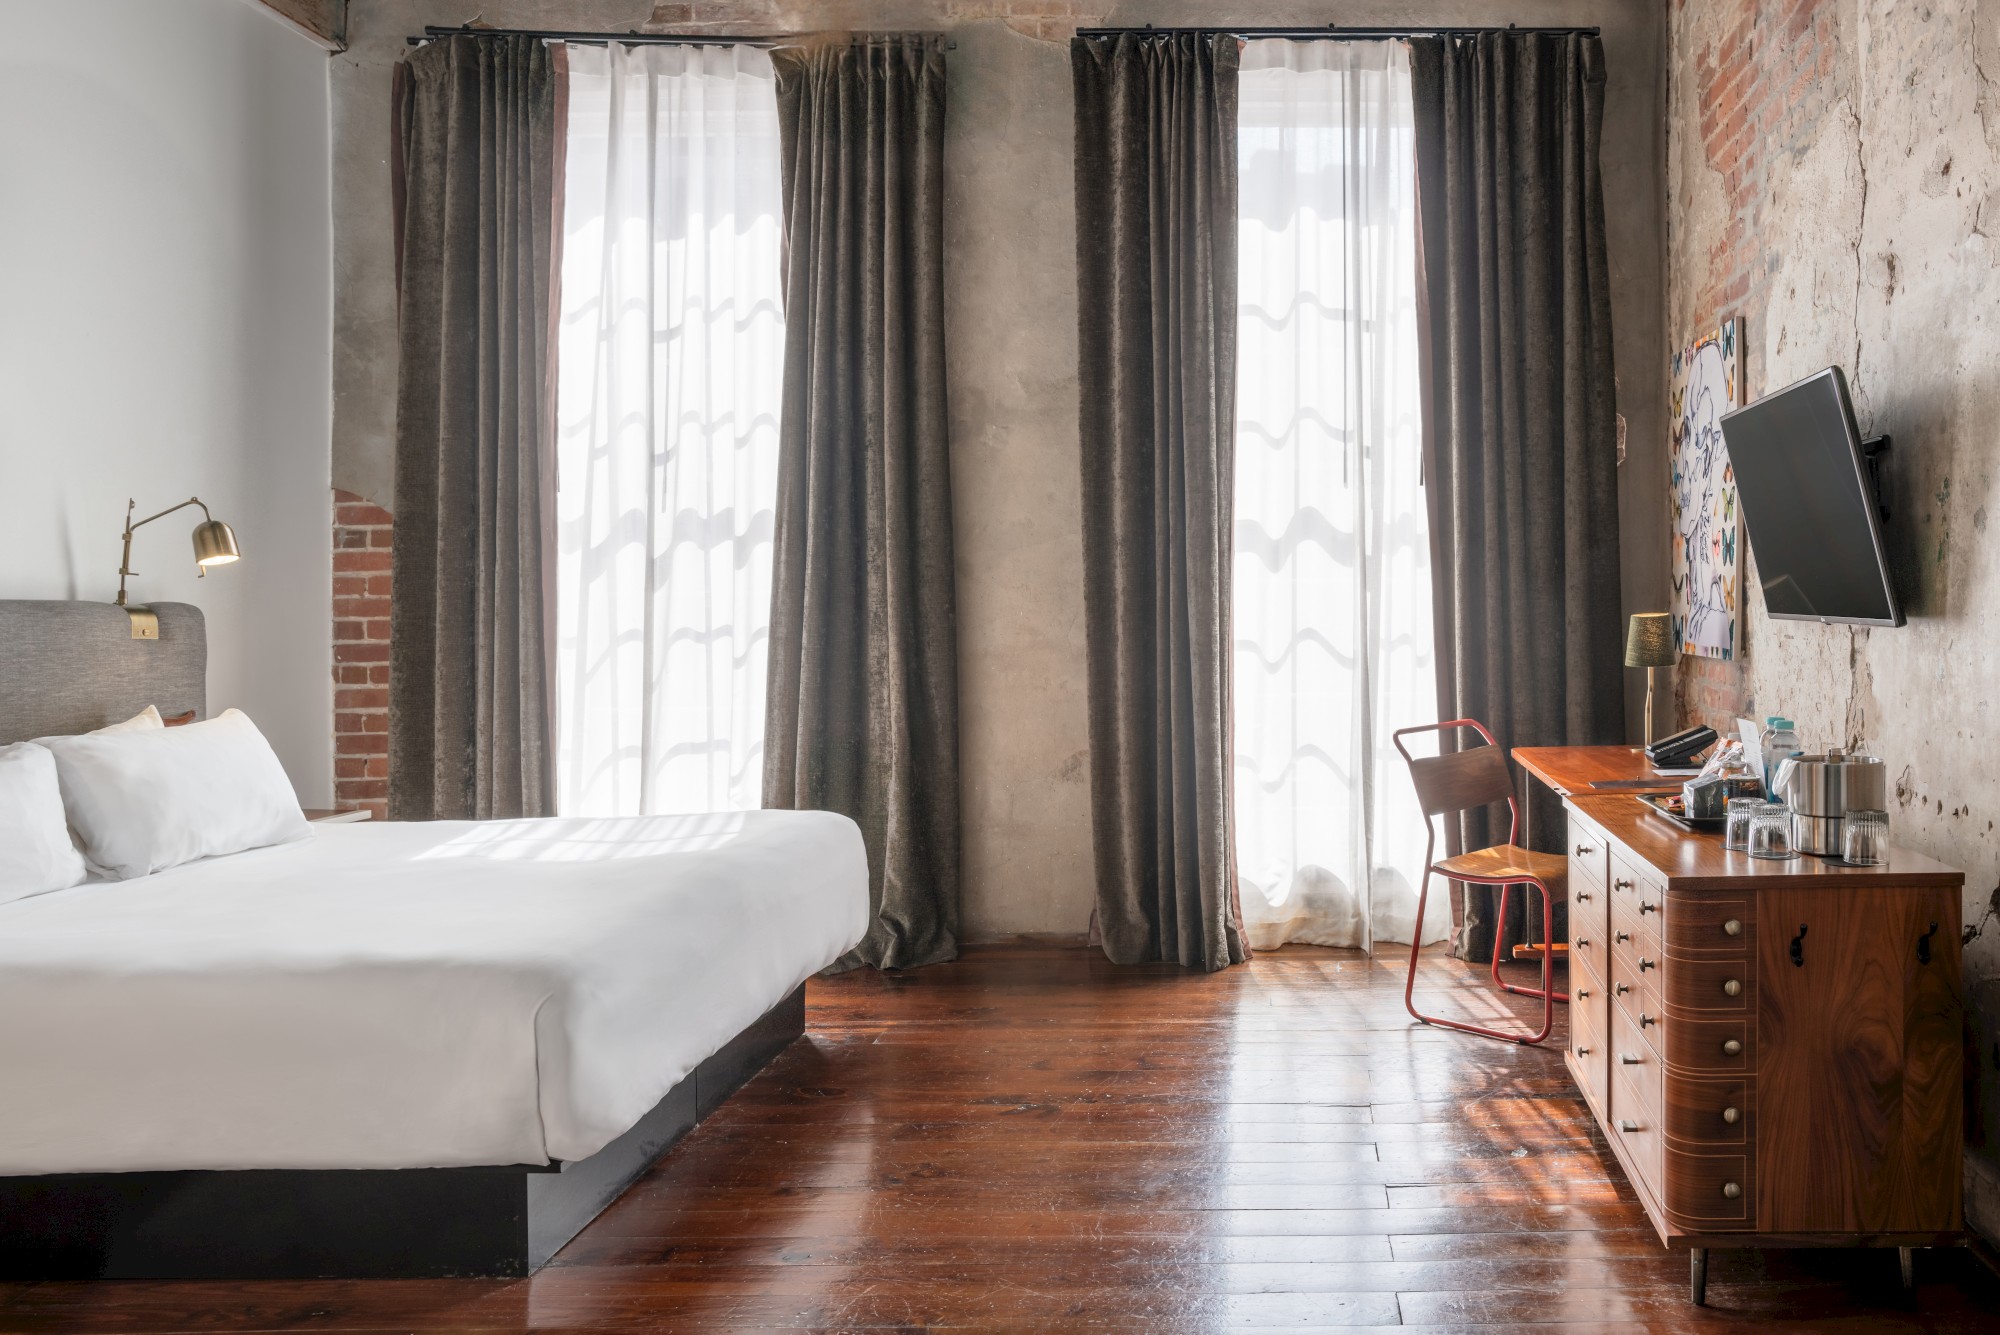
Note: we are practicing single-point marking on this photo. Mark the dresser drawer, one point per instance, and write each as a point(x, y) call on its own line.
point(1589, 1054)
point(1589, 881)
point(1591, 943)
point(1708, 1045)
point(1709, 1191)
point(1710, 1112)
point(1703, 987)
point(1635, 899)
point(1707, 924)
point(1637, 1080)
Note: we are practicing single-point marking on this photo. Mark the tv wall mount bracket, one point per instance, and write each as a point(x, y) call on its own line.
point(1874, 450)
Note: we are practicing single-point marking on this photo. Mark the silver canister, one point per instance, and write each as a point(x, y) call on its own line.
point(1821, 789)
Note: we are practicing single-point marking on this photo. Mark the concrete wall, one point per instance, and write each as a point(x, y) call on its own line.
point(1011, 311)
point(165, 331)
point(1834, 171)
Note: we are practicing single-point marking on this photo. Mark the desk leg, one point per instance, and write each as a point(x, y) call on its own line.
point(1698, 1276)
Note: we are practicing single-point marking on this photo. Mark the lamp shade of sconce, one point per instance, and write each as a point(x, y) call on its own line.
point(214, 543)
point(1649, 640)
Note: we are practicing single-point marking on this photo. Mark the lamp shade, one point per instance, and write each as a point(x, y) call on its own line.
point(214, 543)
point(1649, 640)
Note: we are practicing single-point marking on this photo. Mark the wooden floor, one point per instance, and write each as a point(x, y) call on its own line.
point(1033, 1139)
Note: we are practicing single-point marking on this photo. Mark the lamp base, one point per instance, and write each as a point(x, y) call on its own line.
point(1650, 674)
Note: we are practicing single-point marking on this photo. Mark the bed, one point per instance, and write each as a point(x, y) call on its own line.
point(394, 1049)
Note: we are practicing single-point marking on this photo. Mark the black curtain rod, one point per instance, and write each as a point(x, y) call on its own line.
point(1334, 32)
point(432, 33)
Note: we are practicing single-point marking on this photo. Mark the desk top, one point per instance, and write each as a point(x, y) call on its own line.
point(1696, 859)
point(1572, 769)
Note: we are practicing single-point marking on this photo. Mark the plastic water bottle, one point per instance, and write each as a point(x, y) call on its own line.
point(1780, 739)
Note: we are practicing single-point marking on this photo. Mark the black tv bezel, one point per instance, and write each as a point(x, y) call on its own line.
point(1863, 486)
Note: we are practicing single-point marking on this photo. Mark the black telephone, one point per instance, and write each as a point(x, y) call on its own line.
point(1679, 750)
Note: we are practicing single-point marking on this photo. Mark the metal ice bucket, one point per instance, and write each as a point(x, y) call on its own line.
point(1822, 789)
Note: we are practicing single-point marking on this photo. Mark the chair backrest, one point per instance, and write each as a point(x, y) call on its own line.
point(1460, 780)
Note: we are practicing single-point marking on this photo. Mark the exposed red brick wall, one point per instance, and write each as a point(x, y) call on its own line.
point(1762, 79)
point(361, 582)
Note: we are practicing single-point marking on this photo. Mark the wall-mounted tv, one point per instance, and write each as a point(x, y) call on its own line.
point(1809, 502)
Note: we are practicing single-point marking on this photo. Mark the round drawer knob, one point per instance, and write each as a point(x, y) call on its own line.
point(1620, 988)
point(1731, 1047)
point(1645, 964)
point(1628, 1127)
point(1584, 850)
point(1621, 936)
point(1583, 1052)
point(1732, 988)
point(1582, 992)
point(1730, 1115)
point(1621, 885)
point(1582, 942)
point(1583, 896)
point(1645, 1020)
point(1731, 1190)
point(1645, 907)
point(1734, 927)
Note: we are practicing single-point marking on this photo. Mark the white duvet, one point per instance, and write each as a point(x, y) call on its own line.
point(406, 995)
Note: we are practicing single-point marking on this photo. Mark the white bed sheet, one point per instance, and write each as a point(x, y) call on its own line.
point(406, 995)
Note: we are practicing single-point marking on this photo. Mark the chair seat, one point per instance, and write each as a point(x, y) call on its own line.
point(1504, 863)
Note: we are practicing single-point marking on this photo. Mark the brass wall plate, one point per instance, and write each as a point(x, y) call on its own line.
point(145, 623)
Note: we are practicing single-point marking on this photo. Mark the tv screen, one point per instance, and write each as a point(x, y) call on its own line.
point(1809, 505)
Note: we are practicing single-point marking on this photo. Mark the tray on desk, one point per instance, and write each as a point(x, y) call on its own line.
point(1657, 803)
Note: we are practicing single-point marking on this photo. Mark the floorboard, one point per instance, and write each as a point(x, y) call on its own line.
point(1035, 1139)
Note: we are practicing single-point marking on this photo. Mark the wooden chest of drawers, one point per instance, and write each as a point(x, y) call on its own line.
point(1772, 1049)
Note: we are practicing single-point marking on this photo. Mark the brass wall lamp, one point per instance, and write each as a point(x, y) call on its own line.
point(214, 545)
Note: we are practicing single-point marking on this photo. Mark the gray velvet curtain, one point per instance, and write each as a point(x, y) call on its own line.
point(1156, 278)
point(1520, 429)
point(862, 716)
point(478, 176)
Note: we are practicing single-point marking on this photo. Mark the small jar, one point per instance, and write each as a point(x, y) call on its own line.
point(1771, 832)
point(1736, 826)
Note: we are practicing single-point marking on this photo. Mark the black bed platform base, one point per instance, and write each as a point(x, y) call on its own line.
point(355, 1223)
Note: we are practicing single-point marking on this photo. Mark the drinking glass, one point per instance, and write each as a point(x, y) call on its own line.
point(1736, 829)
point(1771, 832)
point(1864, 838)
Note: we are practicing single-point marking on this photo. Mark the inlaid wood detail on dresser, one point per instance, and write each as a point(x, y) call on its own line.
point(1772, 1049)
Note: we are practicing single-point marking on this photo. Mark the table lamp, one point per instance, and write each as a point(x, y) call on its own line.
point(1649, 643)
point(214, 545)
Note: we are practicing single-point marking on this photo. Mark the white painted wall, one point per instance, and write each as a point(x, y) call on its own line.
point(165, 331)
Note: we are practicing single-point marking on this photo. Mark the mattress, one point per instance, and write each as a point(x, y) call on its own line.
point(407, 995)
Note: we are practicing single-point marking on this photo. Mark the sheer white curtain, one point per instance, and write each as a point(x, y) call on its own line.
point(670, 361)
point(1332, 564)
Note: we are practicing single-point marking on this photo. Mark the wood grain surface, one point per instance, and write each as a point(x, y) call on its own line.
point(1036, 1140)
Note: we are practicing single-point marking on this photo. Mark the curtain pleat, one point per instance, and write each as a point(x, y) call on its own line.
point(1520, 432)
point(1156, 276)
point(479, 152)
point(862, 709)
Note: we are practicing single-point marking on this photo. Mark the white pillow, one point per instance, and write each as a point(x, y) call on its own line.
point(36, 855)
point(143, 721)
point(143, 801)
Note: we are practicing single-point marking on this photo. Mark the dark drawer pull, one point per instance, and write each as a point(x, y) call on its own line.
point(1628, 1126)
point(1582, 992)
point(1621, 936)
point(1583, 896)
point(1645, 1020)
point(1583, 943)
point(1621, 988)
point(1924, 945)
point(1621, 885)
point(1645, 907)
point(1584, 850)
point(1629, 1058)
point(1645, 963)
point(1799, 948)
point(1583, 1052)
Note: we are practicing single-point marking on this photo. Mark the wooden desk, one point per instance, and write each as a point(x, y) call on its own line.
point(1772, 1048)
point(1572, 769)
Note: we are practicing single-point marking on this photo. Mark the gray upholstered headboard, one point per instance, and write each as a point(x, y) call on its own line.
point(71, 667)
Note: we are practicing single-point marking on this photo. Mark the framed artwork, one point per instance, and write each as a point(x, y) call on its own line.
point(1707, 559)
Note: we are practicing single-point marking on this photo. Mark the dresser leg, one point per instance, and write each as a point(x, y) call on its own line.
point(1907, 1259)
point(1698, 1276)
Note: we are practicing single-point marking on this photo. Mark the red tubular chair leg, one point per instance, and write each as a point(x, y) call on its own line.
point(1548, 951)
point(1547, 994)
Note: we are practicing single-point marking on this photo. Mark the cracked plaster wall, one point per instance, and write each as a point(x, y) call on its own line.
point(1834, 176)
point(1010, 349)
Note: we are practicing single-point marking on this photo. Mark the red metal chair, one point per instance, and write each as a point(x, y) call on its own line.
point(1459, 781)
